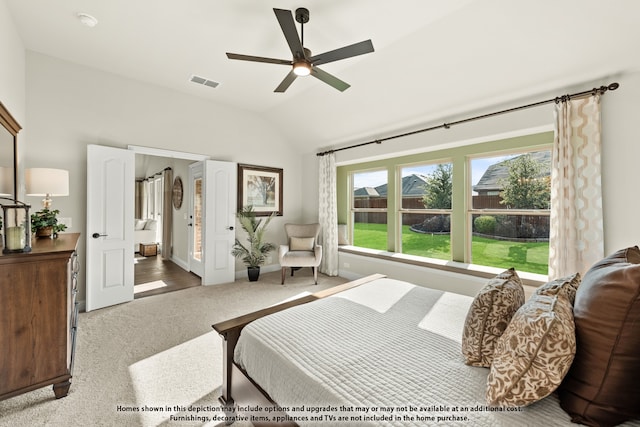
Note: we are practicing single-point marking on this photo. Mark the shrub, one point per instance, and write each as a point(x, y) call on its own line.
point(485, 224)
point(434, 224)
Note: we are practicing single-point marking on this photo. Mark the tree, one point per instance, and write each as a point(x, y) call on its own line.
point(526, 186)
point(437, 188)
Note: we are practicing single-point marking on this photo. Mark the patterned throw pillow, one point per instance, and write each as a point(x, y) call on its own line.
point(534, 353)
point(565, 286)
point(489, 315)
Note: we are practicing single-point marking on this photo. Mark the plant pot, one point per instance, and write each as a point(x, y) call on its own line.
point(254, 273)
point(44, 232)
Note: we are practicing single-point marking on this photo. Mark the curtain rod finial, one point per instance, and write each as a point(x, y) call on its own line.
point(613, 86)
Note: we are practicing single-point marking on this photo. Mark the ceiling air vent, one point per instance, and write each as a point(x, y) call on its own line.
point(203, 81)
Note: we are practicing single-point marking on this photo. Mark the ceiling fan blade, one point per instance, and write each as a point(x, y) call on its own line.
point(288, 25)
point(329, 79)
point(258, 59)
point(342, 53)
point(286, 82)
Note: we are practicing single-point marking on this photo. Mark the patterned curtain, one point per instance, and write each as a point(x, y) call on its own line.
point(576, 237)
point(328, 214)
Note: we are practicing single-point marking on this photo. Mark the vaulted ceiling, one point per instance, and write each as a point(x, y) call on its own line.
point(433, 59)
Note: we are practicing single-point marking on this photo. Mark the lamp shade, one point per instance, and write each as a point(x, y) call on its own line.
point(6, 182)
point(44, 181)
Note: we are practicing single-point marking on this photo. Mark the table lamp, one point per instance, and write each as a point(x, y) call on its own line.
point(47, 182)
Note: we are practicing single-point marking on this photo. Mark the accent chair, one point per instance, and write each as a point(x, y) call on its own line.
point(302, 249)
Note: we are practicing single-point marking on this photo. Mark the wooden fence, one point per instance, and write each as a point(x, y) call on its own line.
point(538, 222)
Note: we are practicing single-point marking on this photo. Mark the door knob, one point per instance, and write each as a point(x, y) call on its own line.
point(230, 227)
point(96, 235)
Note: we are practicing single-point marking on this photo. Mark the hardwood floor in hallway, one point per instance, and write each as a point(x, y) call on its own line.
point(154, 275)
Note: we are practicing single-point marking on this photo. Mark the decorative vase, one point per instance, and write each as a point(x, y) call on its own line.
point(254, 273)
point(44, 232)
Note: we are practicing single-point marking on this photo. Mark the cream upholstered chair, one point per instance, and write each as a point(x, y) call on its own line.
point(302, 249)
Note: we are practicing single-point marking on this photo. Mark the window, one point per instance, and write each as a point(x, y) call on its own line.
point(369, 209)
point(509, 211)
point(425, 210)
point(485, 203)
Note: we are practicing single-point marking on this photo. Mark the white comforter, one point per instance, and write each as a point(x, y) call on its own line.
point(385, 353)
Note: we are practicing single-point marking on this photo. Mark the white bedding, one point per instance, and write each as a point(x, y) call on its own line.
point(386, 344)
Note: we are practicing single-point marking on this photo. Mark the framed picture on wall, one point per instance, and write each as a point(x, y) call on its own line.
point(261, 187)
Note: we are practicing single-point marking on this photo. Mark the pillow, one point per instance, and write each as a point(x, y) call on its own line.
point(565, 286)
point(139, 224)
point(151, 224)
point(603, 385)
point(489, 315)
point(301, 243)
point(534, 353)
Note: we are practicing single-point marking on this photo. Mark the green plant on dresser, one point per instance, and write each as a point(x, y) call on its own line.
point(44, 223)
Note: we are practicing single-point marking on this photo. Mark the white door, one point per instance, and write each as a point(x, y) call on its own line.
point(196, 197)
point(219, 221)
point(110, 214)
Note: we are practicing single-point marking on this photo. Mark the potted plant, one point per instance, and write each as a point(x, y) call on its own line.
point(255, 252)
point(44, 223)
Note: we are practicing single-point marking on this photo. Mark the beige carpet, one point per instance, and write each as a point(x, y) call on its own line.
point(158, 351)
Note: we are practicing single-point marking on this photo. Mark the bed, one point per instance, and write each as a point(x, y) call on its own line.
point(375, 351)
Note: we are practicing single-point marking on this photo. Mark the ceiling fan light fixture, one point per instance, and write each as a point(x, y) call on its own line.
point(302, 68)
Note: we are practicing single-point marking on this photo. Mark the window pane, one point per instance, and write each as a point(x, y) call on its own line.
point(427, 186)
point(520, 181)
point(370, 230)
point(370, 192)
point(370, 189)
point(504, 183)
point(426, 235)
point(519, 241)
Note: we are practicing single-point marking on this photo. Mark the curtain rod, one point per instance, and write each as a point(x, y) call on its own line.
point(168, 168)
point(564, 98)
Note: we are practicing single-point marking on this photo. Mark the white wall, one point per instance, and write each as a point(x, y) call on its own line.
point(70, 106)
point(620, 160)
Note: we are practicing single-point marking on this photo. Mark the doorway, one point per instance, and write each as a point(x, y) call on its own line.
point(153, 273)
point(110, 242)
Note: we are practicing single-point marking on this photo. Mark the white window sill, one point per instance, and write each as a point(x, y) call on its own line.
point(531, 279)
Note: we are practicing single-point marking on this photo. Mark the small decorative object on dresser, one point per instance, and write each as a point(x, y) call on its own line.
point(17, 231)
point(44, 223)
point(38, 317)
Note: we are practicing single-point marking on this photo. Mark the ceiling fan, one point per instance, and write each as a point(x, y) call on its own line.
point(303, 63)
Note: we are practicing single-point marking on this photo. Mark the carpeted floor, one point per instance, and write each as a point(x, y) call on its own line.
point(139, 363)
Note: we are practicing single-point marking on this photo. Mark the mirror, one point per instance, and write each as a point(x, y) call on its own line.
point(8, 154)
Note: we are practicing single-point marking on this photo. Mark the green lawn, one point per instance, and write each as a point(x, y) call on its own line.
point(531, 257)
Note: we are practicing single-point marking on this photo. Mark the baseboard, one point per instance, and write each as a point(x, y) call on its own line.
point(180, 263)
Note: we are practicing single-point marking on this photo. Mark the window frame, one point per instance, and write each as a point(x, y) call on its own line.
point(353, 210)
point(402, 211)
point(458, 154)
point(470, 211)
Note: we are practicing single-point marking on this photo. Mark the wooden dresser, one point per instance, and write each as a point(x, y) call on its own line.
point(38, 316)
